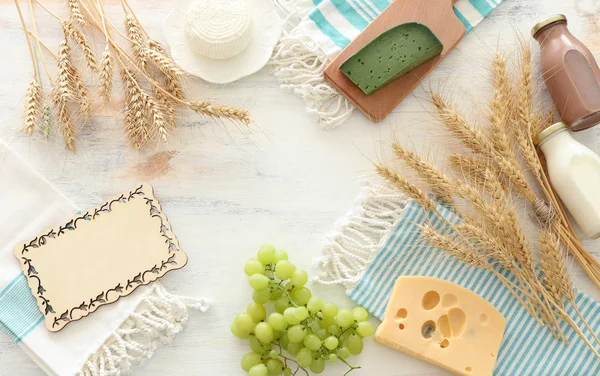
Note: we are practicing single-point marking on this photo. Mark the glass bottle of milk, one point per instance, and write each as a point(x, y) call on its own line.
point(574, 172)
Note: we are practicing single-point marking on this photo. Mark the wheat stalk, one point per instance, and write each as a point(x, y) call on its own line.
point(457, 249)
point(165, 64)
point(438, 182)
point(63, 94)
point(136, 104)
point(106, 74)
point(475, 140)
point(494, 237)
point(169, 109)
point(46, 123)
point(75, 12)
point(81, 41)
point(473, 167)
point(172, 74)
point(556, 277)
point(153, 44)
point(66, 125)
point(503, 241)
point(528, 126)
point(147, 115)
point(81, 93)
point(209, 109)
point(159, 118)
point(402, 184)
point(136, 40)
point(498, 106)
point(174, 86)
point(33, 98)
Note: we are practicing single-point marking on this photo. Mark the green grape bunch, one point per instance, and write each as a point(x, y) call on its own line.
point(297, 332)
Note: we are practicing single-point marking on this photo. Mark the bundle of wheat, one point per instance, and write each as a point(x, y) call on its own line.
point(151, 80)
point(488, 177)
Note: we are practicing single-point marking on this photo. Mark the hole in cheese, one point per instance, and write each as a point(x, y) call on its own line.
point(428, 329)
point(445, 343)
point(458, 320)
point(430, 300)
point(468, 369)
point(449, 300)
point(444, 325)
point(401, 314)
point(401, 326)
point(483, 318)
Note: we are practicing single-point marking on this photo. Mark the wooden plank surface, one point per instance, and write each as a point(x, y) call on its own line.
point(287, 183)
point(437, 15)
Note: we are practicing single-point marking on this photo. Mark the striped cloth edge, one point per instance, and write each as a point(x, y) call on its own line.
point(527, 348)
point(315, 30)
point(335, 23)
point(19, 313)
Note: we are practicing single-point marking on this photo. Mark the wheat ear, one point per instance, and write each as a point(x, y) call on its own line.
point(528, 125)
point(403, 185)
point(153, 44)
point(136, 39)
point(499, 107)
point(556, 277)
point(172, 74)
point(475, 140)
point(473, 167)
point(164, 63)
point(46, 124)
point(211, 110)
point(106, 74)
point(33, 98)
point(168, 106)
point(136, 121)
point(439, 183)
point(75, 15)
point(81, 41)
point(157, 113)
point(449, 244)
point(63, 94)
point(81, 92)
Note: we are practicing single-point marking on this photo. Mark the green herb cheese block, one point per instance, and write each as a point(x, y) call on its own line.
point(392, 54)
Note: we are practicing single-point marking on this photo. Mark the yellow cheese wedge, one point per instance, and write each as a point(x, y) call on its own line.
point(444, 324)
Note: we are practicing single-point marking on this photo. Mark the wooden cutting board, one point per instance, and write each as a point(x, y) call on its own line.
point(438, 15)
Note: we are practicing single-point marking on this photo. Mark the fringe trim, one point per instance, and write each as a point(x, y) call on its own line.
point(360, 235)
point(160, 317)
point(299, 64)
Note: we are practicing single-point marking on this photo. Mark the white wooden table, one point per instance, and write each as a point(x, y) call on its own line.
point(287, 184)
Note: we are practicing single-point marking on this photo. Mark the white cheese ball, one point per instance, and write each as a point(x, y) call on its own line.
point(218, 29)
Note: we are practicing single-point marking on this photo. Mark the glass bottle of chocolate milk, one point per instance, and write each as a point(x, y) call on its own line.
point(571, 73)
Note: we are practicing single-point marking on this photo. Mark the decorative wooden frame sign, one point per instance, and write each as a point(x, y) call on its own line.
point(98, 256)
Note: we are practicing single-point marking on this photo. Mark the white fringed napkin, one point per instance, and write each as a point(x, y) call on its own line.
point(109, 341)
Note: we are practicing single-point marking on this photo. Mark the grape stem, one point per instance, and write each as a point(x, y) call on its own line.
point(352, 368)
point(286, 359)
point(279, 287)
point(345, 330)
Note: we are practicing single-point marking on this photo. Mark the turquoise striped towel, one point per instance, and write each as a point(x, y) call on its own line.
point(379, 241)
point(316, 30)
